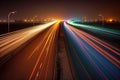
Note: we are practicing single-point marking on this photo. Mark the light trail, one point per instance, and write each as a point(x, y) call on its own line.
point(37, 59)
point(11, 41)
point(47, 51)
point(94, 42)
point(96, 29)
point(100, 59)
point(90, 57)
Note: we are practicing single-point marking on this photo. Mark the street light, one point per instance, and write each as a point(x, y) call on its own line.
point(34, 20)
point(102, 18)
point(9, 19)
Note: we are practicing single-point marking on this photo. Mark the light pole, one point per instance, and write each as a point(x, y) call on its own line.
point(34, 20)
point(102, 19)
point(9, 14)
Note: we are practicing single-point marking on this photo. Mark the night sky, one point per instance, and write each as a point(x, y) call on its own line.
point(62, 9)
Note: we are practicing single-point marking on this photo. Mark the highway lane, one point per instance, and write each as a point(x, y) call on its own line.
point(92, 58)
point(112, 36)
point(36, 61)
point(11, 41)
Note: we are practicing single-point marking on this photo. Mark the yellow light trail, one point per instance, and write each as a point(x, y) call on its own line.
point(11, 41)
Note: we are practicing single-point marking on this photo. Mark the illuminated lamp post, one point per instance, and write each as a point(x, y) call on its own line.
point(10, 13)
point(102, 19)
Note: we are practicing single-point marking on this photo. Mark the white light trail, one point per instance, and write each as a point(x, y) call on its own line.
point(11, 41)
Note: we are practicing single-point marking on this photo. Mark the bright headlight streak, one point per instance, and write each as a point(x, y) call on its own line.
point(11, 41)
point(116, 32)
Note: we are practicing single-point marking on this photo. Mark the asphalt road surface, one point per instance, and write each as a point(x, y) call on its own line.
point(85, 52)
point(36, 60)
point(93, 57)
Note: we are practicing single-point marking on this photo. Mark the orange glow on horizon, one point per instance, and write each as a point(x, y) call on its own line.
point(110, 20)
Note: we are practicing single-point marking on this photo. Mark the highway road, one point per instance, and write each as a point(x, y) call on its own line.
point(10, 41)
point(60, 50)
point(91, 57)
point(36, 60)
